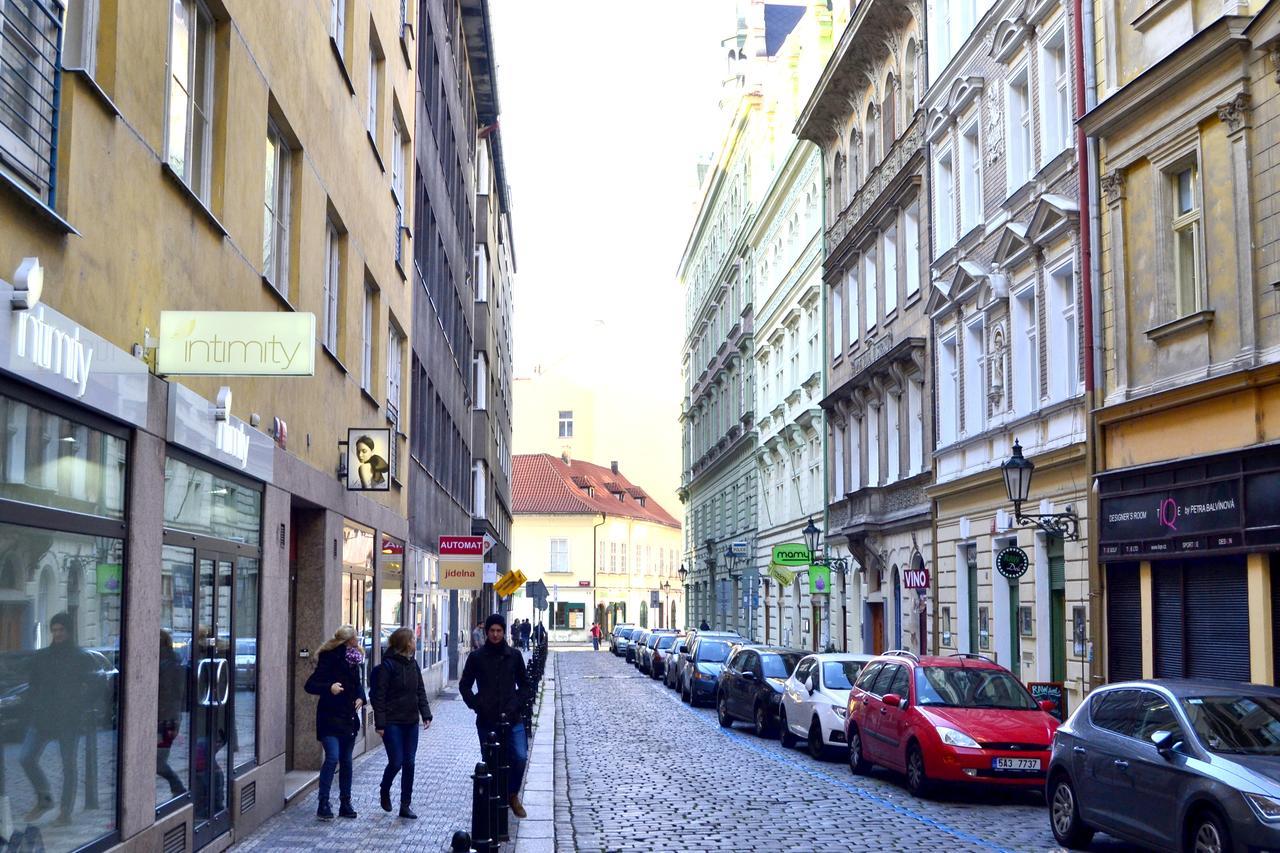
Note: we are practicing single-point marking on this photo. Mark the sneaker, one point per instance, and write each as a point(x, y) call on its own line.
point(324, 812)
point(346, 811)
point(384, 800)
point(41, 806)
point(407, 813)
point(517, 807)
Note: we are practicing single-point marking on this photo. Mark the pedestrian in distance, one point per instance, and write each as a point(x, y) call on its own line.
point(399, 700)
point(704, 626)
point(539, 634)
point(526, 631)
point(501, 690)
point(595, 636)
point(477, 636)
point(337, 681)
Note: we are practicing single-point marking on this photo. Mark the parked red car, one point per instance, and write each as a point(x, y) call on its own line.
point(961, 718)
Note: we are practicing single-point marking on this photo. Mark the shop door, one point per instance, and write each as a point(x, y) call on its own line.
point(211, 697)
point(816, 622)
point(1057, 612)
point(1015, 644)
point(877, 628)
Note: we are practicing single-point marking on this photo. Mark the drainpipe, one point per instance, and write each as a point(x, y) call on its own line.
point(1090, 271)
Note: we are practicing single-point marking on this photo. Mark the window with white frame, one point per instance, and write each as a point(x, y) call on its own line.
point(1023, 350)
point(395, 358)
point(479, 490)
point(837, 464)
point(873, 445)
point(566, 423)
point(945, 214)
point(1018, 117)
point(893, 466)
point(1060, 314)
point(795, 359)
point(869, 132)
point(189, 135)
point(366, 339)
point(1187, 234)
point(948, 388)
point(482, 167)
point(890, 243)
point(854, 453)
point(766, 387)
point(560, 556)
point(480, 364)
point(399, 144)
point(869, 285)
point(276, 211)
point(837, 322)
point(482, 273)
point(974, 364)
point(970, 178)
point(332, 287)
point(1055, 95)
point(910, 59)
point(915, 427)
point(375, 89)
point(911, 240)
point(80, 37)
point(813, 363)
point(854, 288)
point(338, 22)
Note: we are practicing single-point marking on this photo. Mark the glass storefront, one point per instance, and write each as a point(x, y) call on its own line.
point(391, 610)
point(60, 622)
point(357, 585)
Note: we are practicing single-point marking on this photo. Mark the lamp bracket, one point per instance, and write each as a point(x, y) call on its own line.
point(1065, 524)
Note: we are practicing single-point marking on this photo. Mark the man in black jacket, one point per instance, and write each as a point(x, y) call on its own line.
point(502, 689)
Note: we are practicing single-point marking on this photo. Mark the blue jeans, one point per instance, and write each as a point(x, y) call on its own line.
point(401, 743)
point(33, 747)
point(517, 752)
point(337, 756)
point(595, 644)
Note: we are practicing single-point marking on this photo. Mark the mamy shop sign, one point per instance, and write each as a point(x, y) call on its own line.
point(461, 562)
point(236, 343)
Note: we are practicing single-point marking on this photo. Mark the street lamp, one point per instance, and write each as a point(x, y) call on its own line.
point(812, 538)
point(683, 573)
point(1017, 470)
point(665, 586)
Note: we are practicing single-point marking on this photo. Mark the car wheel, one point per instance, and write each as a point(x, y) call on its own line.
point(857, 764)
point(686, 694)
point(722, 712)
point(784, 731)
point(917, 778)
point(1064, 815)
point(817, 749)
point(1207, 833)
point(761, 718)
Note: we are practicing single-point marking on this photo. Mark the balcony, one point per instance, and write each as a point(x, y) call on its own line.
point(881, 178)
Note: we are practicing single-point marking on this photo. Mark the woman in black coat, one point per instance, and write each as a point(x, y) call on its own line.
point(337, 681)
point(399, 703)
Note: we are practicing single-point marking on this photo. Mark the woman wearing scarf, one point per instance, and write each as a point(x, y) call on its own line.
point(337, 681)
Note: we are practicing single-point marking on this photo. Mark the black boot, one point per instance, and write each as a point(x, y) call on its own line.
point(345, 810)
point(384, 794)
point(406, 812)
point(324, 811)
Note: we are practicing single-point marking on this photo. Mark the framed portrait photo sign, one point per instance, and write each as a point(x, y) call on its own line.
point(368, 460)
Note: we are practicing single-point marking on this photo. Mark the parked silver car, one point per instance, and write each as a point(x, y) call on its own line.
point(1187, 765)
point(620, 638)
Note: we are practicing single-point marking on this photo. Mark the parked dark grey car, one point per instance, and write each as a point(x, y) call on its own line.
point(1176, 765)
point(620, 638)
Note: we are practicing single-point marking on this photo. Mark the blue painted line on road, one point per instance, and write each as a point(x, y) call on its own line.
point(743, 740)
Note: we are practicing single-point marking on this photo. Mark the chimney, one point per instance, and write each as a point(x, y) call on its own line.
point(564, 457)
point(613, 466)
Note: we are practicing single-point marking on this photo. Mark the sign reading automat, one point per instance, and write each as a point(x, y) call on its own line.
point(236, 343)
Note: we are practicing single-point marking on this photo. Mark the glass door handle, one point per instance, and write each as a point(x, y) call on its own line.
point(223, 681)
point(204, 684)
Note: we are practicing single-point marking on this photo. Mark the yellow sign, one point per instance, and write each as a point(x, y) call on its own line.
point(781, 574)
point(237, 343)
point(509, 583)
point(462, 573)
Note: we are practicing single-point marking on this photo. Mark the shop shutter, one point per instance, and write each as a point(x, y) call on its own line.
point(1217, 618)
point(1275, 622)
point(1124, 623)
point(1168, 628)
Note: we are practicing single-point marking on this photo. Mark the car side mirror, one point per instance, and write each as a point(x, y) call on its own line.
point(811, 684)
point(1048, 706)
point(893, 700)
point(748, 675)
point(1165, 743)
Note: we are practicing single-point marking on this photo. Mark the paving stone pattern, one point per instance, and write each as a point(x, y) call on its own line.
point(447, 755)
point(628, 742)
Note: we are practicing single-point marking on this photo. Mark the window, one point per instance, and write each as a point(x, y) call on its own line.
point(974, 364)
point(276, 212)
point(915, 427)
point(970, 179)
point(479, 496)
point(482, 273)
point(1115, 710)
point(1055, 108)
point(869, 129)
point(1061, 318)
point(566, 424)
point(366, 337)
point(869, 284)
point(855, 319)
point(613, 557)
point(909, 81)
point(948, 396)
point(481, 365)
point(399, 142)
point(190, 131)
point(332, 285)
point(837, 474)
point(837, 324)
point(888, 117)
point(893, 468)
point(1018, 114)
point(873, 445)
point(395, 355)
point(946, 212)
point(338, 23)
point(1024, 352)
point(375, 89)
point(1186, 240)
point(80, 39)
point(890, 270)
point(912, 248)
point(838, 184)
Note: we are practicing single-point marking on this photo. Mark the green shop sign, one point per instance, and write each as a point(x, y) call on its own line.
point(791, 555)
point(819, 580)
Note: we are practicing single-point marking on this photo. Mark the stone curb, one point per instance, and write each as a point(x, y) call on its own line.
point(536, 833)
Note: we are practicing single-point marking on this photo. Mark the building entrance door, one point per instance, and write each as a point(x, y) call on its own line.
point(877, 627)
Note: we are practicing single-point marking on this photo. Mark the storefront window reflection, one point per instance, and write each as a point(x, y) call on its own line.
point(391, 613)
point(357, 585)
point(50, 461)
point(200, 501)
point(60, 612)
point(244, 744)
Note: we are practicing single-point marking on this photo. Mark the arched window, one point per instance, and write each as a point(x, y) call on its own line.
point(873, 152)
point(910, 60)
point(888, 113)
point(837, 185)
point(855, 173)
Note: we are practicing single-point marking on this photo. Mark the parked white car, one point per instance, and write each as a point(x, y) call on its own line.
point(815, 701)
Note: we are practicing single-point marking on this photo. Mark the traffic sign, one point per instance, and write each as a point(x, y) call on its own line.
point(509, 583)
point(489, 542)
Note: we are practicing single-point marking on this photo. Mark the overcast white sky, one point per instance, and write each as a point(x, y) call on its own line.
point(605, 107)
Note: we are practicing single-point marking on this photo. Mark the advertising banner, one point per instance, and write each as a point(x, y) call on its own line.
point(791, 555)
point(367, 453)
point(781, 574)
point(819, 580)
point(236, 343)
point(461, 573)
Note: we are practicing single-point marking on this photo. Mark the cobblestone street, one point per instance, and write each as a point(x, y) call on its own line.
point(647, 773)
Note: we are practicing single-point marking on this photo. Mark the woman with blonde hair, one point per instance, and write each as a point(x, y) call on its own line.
point(337, 681)
point(399, 702)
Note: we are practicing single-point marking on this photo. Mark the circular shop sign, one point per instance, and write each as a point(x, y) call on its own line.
point(1012, 562)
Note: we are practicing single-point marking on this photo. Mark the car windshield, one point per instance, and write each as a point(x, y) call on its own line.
point(779, 665)
point(840, 674)
point(712, 652)
point(624, 633)
point(964, 687)
point(1236, 724)
point(666, 642)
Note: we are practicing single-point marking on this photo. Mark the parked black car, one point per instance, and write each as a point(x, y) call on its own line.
point(633, 645)
point(1190, 765)
point(661, 654)
point(672, 661)
point(700, 669)
point(619, 638)
point(751, 686)
point(644, 660)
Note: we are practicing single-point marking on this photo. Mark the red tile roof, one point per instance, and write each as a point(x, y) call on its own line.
point(546, 484)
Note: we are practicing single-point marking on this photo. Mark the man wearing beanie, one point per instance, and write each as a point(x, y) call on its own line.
point(501, 688)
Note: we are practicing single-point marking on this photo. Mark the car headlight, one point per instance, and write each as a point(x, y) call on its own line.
point(1267, 808)
point(953, 737)
point(840, 711)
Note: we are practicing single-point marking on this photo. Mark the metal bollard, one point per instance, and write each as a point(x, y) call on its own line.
point(502, 830)
point(481, 824)
point(497, 796)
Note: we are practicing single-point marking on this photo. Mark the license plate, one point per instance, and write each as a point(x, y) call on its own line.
point(1015, 764)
